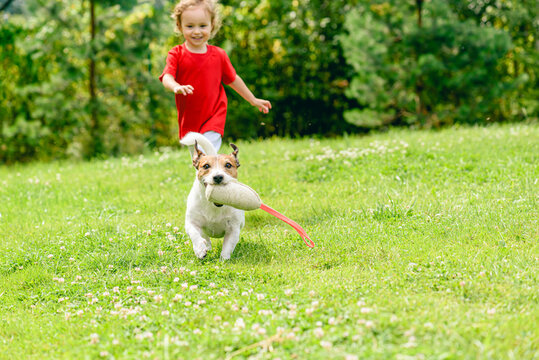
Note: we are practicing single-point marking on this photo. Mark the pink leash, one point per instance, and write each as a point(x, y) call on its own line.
point(290, 222)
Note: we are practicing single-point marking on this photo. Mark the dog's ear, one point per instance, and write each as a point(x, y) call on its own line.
point(196, 155)
point(235, 154)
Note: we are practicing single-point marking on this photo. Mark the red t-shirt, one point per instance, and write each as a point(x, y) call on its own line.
point(204, 109)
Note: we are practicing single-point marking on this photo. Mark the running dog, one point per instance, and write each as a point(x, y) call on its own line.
point(204, 219)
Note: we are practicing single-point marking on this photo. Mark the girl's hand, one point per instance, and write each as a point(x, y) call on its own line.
point(262, 105)
point(183, 89)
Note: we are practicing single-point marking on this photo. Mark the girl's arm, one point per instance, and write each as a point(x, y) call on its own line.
point(239, 86)
point(170, 83)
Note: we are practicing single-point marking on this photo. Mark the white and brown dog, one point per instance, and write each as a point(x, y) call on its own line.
point(204, 219)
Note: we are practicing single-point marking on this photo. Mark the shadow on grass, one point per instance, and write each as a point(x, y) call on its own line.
point(246, 252)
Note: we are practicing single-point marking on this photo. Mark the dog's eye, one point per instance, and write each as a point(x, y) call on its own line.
point(206, 166)
point(228, 165)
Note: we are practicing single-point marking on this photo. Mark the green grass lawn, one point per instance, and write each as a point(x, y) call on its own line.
point(426, 248)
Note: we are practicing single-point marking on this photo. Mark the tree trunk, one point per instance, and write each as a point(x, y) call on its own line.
point(419, 8)
point(94, 124)
point(419, 86)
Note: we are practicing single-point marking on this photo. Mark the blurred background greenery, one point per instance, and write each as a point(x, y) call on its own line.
point(79, 79)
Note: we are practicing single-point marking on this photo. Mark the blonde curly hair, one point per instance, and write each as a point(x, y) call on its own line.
point(211, 7)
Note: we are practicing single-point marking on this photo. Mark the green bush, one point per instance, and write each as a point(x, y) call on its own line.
point(432, 71)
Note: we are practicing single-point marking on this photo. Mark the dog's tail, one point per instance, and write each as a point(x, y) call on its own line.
point(203, 143)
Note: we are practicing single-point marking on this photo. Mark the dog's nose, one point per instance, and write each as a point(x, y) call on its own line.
point(218, 179)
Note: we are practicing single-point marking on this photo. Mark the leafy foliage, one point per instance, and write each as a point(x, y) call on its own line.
point(46, 81)
point(319, 62)
point(288, 52)
point(437, 70)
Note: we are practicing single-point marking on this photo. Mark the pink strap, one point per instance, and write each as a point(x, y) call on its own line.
point(292, 223)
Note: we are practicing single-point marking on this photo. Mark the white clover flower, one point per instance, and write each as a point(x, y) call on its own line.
point(239, 323)
point(291, 336)
point(369, 324)
point(318, 332)
point(326, 344)
point(94, 338)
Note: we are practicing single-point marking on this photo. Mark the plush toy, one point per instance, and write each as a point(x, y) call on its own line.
point(242, 197)
point(234, 194)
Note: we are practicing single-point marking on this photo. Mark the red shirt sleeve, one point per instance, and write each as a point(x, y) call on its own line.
point(173, 58)
point(229, 73)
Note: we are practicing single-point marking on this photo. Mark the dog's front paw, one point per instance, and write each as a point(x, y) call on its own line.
point(201, 251)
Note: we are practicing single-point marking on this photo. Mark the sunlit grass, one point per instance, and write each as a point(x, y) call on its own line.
point(426, 247)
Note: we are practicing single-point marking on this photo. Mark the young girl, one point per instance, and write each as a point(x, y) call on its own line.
point(196, 71)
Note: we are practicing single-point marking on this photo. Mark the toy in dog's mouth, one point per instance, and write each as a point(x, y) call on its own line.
point(210, 191)
point(235, 194)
